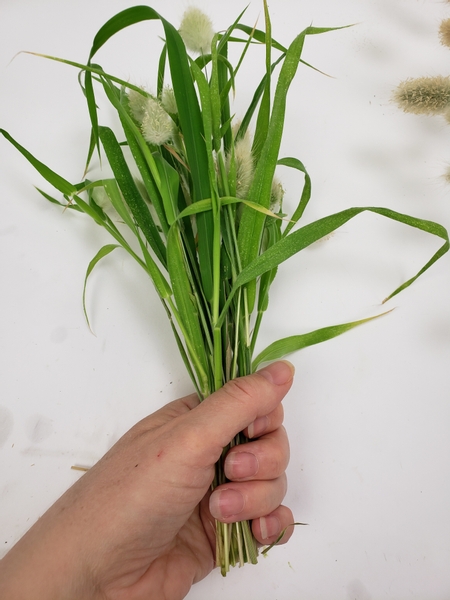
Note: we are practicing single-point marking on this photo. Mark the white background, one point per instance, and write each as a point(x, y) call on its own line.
point(369, 414)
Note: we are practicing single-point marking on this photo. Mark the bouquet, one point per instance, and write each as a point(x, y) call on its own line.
point(193, 196)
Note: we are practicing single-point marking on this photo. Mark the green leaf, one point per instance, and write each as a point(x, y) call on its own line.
point(131, 193)
point(170, 183)
point(252, 223)
point(294, 163)
point(262, 123)
point(307, 235)
point(186, 302)
point(98, 257)
point(53, 178)
point(290, 344)
point(54, 201)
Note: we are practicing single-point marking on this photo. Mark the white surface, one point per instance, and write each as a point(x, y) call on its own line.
point(369, 415)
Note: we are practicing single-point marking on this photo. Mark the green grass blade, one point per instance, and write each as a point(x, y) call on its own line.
point(131, 193)
point(161, 71)
point(185, 301)
point(170, 184)
point(104, 251)
point(54, 201)
point(262, 123)
point(286, 346)
point(307, 235)
point(53, 178)
point(252, 223)
point(294, 163)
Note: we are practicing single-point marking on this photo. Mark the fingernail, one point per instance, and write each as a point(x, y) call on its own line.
point(258, 427)
point(279, 372)
point(226, 503)
point(270, 527)
point(239, 465)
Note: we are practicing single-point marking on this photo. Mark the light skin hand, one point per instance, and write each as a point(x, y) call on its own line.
point(140, 523)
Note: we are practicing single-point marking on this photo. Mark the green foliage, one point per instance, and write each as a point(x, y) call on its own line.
point(212, 256)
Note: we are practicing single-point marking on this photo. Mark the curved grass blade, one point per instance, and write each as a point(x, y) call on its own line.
point(290, 344)
point(294, 163)
point(104, 251)
point(186, 303)
point(251, 226)
point(54, 201)
point(131, 193)
point(307, 235)
point(53, 178)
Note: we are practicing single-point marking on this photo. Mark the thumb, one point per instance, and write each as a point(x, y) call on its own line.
point(212, 424)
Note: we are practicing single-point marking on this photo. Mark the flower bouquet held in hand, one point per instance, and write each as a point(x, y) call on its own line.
point(204, 217)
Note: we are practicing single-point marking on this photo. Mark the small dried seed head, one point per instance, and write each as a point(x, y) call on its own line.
point(444, 32)
point(446, 175)
point(168, 101)
point(276, 195)
point(157, 127)
point(424, 96)
point(138, 105)
point(244, 165)
point(196, 30)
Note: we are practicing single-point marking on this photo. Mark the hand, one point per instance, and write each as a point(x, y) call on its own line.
point(140, 523)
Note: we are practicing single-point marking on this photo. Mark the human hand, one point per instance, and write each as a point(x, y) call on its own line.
point(140, 523)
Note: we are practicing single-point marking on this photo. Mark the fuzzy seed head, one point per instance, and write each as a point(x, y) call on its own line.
point(157, 127)
point(244, 165)
point(424, 96)
point(168, 100)
point(197, 31)
point(137, 104)
point(276, 195)
point(444, 32)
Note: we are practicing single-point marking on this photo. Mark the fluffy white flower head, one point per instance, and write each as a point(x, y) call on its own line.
point(157, 126)
point(197, 31)
point(168, 100)
point(137, 103)
point(244, 165)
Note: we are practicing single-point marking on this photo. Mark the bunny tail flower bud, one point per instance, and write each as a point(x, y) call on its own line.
point(157, 127)
point(424, 96)
point(168, 101)
point(137, 104)
point(196, 30)
point(444, 32)
point(276, 195)
point(244, 165)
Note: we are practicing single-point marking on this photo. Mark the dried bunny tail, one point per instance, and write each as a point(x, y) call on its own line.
point(157, 126)
point(168, 100)
point(137, 104)
point(197, 31)
point(276, 195)
point(444, 32)
point(244, 165)
point(424, 96)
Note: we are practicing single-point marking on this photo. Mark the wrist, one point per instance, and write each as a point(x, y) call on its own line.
point(43, 565)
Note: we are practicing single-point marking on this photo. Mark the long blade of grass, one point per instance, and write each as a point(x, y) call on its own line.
point(286, 346)
point(307, 235)
point(104, 251)
point(251, 226)
point(185, 302)
point(54, 201)
point(131, 193)
point(53, 178)
point(262, 122)
point(294, 163)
